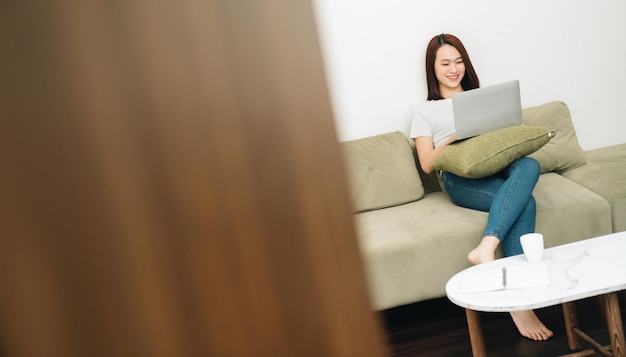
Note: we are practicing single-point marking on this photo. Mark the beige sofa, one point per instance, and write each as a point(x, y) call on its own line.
point(413, 239)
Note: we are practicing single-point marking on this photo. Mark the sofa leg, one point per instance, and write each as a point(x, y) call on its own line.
point(476, 333)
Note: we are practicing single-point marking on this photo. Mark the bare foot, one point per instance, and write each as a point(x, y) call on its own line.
point(485, 251)
point(530, 326)
point(527, 321)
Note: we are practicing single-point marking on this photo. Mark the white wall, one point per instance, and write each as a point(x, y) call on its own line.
point(570, 50)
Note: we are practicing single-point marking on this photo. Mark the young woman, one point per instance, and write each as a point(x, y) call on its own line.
point(507, 195)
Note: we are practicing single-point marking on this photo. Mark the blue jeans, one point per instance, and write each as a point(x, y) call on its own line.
point(507, 196)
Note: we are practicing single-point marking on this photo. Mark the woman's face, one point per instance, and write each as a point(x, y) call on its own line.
point(449, 70)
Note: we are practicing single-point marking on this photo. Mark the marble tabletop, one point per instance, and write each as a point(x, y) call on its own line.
point(576, 271)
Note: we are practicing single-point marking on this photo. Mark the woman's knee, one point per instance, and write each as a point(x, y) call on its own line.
point(528, 165)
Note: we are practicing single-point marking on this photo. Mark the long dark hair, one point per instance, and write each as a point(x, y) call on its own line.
point(469, 81)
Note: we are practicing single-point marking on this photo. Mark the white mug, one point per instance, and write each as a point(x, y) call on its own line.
point(532, 245)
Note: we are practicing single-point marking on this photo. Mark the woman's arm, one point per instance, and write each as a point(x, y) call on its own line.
point(427, 153)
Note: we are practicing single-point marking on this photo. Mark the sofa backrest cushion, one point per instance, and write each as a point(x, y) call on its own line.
point(381, 171)
point(563, 152)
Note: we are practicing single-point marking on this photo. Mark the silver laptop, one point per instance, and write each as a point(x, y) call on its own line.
point(486, 109)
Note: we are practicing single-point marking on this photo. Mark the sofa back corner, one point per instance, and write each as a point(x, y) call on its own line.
point(382, 171)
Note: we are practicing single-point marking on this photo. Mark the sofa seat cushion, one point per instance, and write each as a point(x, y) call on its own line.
point(381, 171)
point(410, 251)
point(605, 174)
point(568, 212)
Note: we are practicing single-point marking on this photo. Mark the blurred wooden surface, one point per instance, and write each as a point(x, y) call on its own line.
point(171, 184)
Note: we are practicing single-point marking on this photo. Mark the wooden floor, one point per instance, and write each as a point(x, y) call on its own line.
point(438, 328)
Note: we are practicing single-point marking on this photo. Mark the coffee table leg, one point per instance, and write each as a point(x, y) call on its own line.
point(571, 321)
point(613, 315)
point(476, 333)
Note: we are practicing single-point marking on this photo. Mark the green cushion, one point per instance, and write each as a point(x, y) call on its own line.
point(381, 171)
point(487, 154)
point(563, 152)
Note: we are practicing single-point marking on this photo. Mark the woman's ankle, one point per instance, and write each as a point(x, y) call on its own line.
point(485, 251)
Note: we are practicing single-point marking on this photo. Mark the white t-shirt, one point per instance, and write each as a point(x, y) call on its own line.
point(434, 118)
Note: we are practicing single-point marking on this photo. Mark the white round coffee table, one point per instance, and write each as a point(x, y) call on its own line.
point(591, 267)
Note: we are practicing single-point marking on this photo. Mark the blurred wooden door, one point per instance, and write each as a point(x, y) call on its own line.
point(171, 184)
